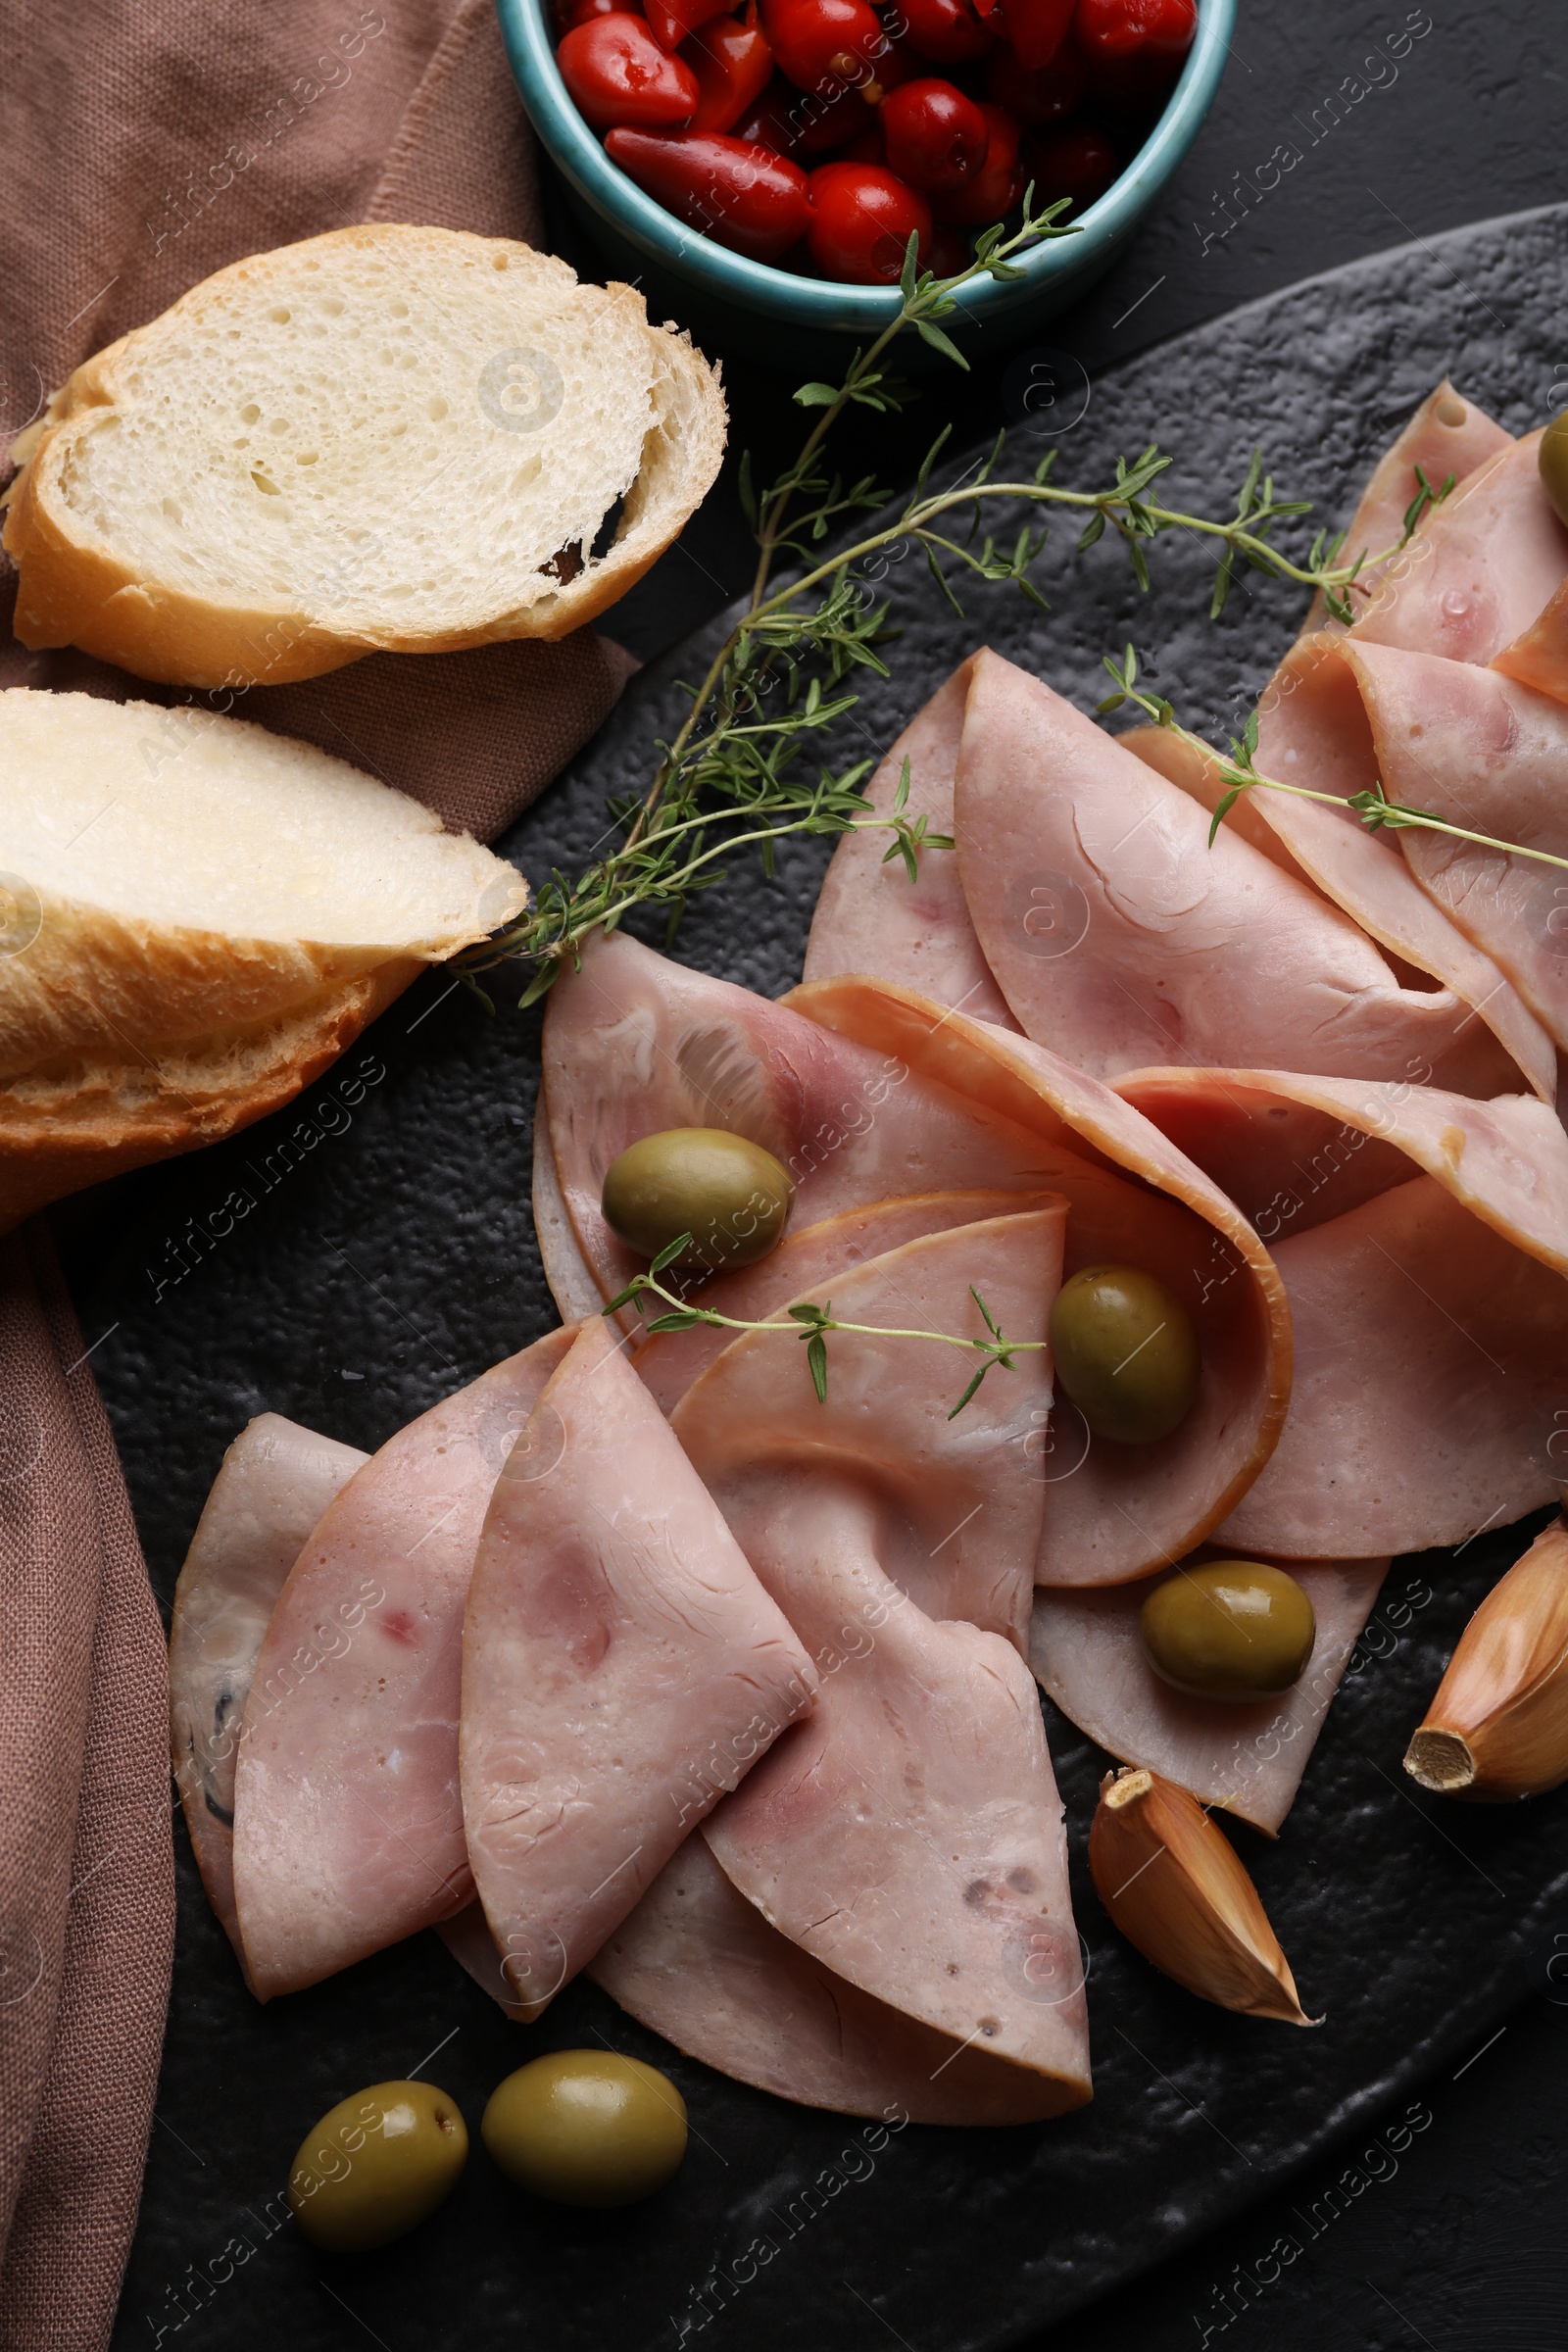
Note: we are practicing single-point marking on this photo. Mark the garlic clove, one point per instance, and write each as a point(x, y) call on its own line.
point(1498, 1727)
point(1176, 1888)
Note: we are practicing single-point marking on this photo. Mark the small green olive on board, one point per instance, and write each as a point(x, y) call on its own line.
point(587, 2128)
point(376, 2165)
point(728, 1194)
point(1125, 1353)
point(1553, 463)
point(1230, 1629)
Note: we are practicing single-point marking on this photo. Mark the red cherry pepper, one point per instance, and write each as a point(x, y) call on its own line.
point(1134, 49)
point(946, 32)
point(861, 222)
point(1034, 28)
point(935, 136)
point(827, 45)
point(618, 73)
point(990, 193)
point(733, 65)
point(1077, 162)
point(1048, 96)
point(740, 195)
point(1080, 163)
point(672, 21)
point(799, 123)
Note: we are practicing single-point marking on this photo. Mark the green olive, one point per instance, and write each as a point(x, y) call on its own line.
point(1553, 464)
point(1232, 1629)
point(729, 1195)
point(587, 2128)
point(1125, 1353)
point(377, 2164)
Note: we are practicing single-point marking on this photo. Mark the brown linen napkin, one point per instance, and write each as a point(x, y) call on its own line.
point(147, 144)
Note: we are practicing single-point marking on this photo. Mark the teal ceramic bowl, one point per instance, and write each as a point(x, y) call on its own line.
point(732, 304)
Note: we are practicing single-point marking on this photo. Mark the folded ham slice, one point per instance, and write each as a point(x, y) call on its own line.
point(956, 1498)
point(1249, 1761)
point(621, 1669)
point(809, 1262)
point(1484, 579)
point(1312, 731)
point(274, 1482)
point(907, 1834)
point(1112, 1512)
point(1121, 936)
point(348, 1818)
point(1446, 435)
point(698, 1964)
point(1431, 1315)
point(1469, 746)
point(870, 918)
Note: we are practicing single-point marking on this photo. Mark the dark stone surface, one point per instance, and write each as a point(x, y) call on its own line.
point(395, 1258)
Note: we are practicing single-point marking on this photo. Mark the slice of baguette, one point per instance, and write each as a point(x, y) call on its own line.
point(196, 917)
point(406, 440)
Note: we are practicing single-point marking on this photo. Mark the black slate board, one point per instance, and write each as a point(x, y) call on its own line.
point(389, 1257)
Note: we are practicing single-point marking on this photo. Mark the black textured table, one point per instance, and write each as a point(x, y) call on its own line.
point(1437, 2221)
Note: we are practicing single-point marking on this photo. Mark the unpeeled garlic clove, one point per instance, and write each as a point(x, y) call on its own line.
point(1175, 1887)
point(1498, 1729)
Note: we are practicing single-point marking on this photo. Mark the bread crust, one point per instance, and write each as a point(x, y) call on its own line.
point(83, 1122)
point(77, 590)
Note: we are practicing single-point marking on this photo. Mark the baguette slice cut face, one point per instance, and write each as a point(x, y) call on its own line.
point(385, 438)
point(196, 917)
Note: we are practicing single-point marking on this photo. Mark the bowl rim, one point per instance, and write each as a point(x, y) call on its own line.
point(815, 301)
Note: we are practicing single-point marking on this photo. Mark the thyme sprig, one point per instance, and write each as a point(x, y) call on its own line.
point(729, 780)
point(1240, 772)
point(811, 1323)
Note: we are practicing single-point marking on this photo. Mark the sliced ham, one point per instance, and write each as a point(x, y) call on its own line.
point(348, 1818)
point(698, 1964)
point(1296, 1152)
point(1121, 936)
point(274, 1482)
point(1313, 731)
point(1429, 1384)
point(1480, 572)
point(807, 1262)
point(907, 1834)
point(1248, 1759)
point(870, 918)
point(1446, 435)
point(1469, 746)
point(1423, 1239)
point(1112, 1512)
point(566, 1271)
point(621, 1669)
point(956, 1499)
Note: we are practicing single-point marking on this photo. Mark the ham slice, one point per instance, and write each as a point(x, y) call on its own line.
point(621, 1669)
point(1446, 435)
point(870, 918)
point(806, 1264)
point(956, 1499)
point(566, 1271)
point(1431, 1315)
point(1480, 573)
point(698, 1964)
point(348, 1818)
point(634, 1045)
point(1469, 746)
point(1121, 937)
point(1313, 730)
point(1086, 1653)
point(274, 1482)
point(907, 1836)
point(1112, 1512)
